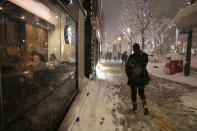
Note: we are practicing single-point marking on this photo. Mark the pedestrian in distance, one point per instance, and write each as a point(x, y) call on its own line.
point(107, 55)
point(119, 54)
point(110, 55)
point(124, 58)
point(138, 76)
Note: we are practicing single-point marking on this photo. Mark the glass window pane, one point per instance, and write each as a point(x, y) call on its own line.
point(37, 55)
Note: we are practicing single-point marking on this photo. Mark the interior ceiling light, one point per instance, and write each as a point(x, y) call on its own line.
point(1, 8)
point(22, 17)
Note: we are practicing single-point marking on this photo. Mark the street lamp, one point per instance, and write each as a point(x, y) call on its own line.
point(119, 38)
point(128, 30)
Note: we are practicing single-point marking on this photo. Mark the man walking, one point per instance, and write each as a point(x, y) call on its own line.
point(138, 76)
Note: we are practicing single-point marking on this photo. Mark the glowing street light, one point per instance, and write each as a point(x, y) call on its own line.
point(128, 30)
point(119, 38)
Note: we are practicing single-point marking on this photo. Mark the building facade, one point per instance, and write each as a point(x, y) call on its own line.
point(43, 44)
point(93, 36)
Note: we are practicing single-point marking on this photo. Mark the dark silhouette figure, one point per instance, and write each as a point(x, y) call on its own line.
point(137, 76)
point(124, 57)
point(110, 55)
point(106, 55)
point(119, 54)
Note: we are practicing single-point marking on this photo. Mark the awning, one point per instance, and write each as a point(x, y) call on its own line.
point(187, 17)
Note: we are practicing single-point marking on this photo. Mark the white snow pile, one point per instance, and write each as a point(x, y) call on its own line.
point(175, 56)
point(178, 77)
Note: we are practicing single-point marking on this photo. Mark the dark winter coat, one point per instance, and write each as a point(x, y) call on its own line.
point(124, 57)
point(136, 69)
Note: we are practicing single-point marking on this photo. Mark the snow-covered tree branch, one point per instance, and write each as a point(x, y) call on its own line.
point(136, 15)
point(159, 29)
point(127, 26)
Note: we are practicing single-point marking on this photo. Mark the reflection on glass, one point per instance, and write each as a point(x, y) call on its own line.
point(35, 56)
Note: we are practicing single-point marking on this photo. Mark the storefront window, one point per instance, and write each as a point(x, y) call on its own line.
point(37, 53)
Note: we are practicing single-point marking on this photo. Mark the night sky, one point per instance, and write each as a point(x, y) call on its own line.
point(167, 8)
point(111, 12)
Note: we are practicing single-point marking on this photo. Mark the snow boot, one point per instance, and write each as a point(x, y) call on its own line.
point(145, 107)
point(134, 109)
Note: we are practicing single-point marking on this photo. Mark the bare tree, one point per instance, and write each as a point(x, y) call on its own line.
point(142, 15)
point(127, 26)
point(135, 18)
point(159, 30)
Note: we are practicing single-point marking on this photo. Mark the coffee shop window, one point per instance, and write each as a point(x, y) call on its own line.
point(37, 52)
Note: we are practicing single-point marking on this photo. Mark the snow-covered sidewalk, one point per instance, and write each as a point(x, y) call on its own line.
point(105, 104)
point(93, 106)
point(91, 111)
point(157, 69)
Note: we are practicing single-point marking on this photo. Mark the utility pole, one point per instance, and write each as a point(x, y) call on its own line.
point(189, 46)
point(188, 55)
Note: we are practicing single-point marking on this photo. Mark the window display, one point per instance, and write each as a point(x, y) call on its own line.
point(37, 53)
